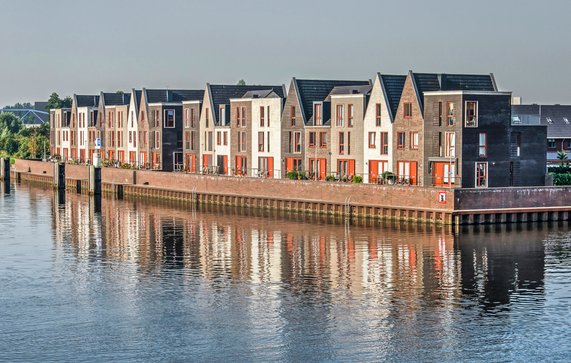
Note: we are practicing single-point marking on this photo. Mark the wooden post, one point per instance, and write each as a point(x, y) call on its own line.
point(59, 176)
point(5, 169)
point(94, 180)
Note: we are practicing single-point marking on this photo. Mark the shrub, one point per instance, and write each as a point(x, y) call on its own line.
point(561, 179)
point(357, 179)
point(292, 175)
point(329, 178)
point(106, 163)
point(126, 166)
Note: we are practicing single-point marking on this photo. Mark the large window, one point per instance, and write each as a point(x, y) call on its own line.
point(450, 113)
point(407, 109)
point(378, 114)
point(384, 143)
point(262, 116)
point(450, 144)
point(350, 115)
point(414, 140)
point(483, 145)
point(401, 140)
point(341, 143)
point(323, 139)
point(292, 115)
point(339, 116)
point(297, 142)
point(187, 139)
point(482, 175)
point(192, 117)
point(312, 139)
point(372, 140)
point(261, 138)
point(317, 114)
point(471, 114)
point(241, 141)
point(241, 116)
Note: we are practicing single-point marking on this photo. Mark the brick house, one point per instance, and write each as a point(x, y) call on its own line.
point(307, 112)
point(191, 117)
point(111, 125)
point(59, 131)
point(133, 129)
point(81, 125)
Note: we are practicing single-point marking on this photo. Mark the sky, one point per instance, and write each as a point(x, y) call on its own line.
point(84, 47)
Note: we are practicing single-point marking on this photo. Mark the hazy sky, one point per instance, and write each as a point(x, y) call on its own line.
point(79, 46)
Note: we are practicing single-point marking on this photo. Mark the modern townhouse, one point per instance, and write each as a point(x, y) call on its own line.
point(215, 121)
point(112, 126)
point(306, 126)
point(378, 126)
point(191, 117)
point(348, 104)
point(255, 132)
point(133, 128)
point(165, 126)
point(82, 107)
point(59, 131)
point(557, 119)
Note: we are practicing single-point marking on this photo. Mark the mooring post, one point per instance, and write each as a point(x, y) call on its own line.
point(94, 180)
point(59, 176)
point(5, 169)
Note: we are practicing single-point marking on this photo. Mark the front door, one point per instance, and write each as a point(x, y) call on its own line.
point(373, 171)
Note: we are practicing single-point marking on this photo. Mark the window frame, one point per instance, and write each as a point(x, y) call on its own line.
point(414, 140)
point(466, 108)
point(477, 177)
point(378, 114)
point(372, 137)
point(407, 110)
point(401, 140)
point(483, 147)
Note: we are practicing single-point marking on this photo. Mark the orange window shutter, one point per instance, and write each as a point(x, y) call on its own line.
point(413, 173)
point(271, 167)
point(322, 168)
point(351, 167)
point(225, 167)
point(289, 165)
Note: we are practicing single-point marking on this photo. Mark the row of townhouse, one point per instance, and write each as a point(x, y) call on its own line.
point(426, 129)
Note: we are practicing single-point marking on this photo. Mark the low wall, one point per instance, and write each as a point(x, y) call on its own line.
point(512, 198)
point(77, 172)
point(118, 176)
point(34, 167)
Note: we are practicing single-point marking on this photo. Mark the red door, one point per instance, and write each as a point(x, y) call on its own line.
point(289, 164)
point(270, 167)
point(413, 173)
point(438, 174)
point(351, 168)
point(373, 171)
point(225, 164)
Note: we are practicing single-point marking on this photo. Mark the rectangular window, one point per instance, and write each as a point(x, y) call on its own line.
point(292, 115)
point(450, 144)
point(225, 138)
point(401, 140)
point(157, 139)
point(483, 145)
point(384, 143)
point(449, 171)
point(192, 117)
point(193, 140)
point(186, 118)
point(187, 139)
point(372, 140)
point(440, 113)
point(348, 143)
point(350, 115)
point(317, 116)
point(209, 140)
point(471, 114)
point(297, 145)
point(450, 113)
point(268, 137)
point(378, 114)
point(312, 139)
point(169, 119)
point(261, 141)
point(323, 139)
point(339, 116)
point(207, 117)
point(262, 116)
point(481, 175)
point(341, 143)
point(268, 116)
point(551, 144)
point(407, 109)
point(222, 113)
point(157, 118)
point(218, 138)
point(414, 140)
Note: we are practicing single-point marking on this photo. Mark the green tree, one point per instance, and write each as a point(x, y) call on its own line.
point(8, 121)
point(56, 102)
point(241, 83)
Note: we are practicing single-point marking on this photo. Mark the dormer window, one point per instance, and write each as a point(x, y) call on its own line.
point(318, 113)
point(471, 114)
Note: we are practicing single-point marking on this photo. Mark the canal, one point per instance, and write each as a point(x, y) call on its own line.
point(133, 280)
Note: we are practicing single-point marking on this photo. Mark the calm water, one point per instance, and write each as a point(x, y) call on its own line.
point(141, 281)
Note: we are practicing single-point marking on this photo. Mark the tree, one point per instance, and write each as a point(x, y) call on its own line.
point(56, 102)
point(241, 83)
point(9, 122)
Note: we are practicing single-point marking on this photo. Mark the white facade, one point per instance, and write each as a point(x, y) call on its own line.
point(83, 120)
point(373, 154)
point(132, 142)
point(271, 135)
point(221, 148)
point(65, 143)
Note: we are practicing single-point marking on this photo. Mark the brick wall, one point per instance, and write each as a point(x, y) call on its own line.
point(34, 167)
point(498, 198)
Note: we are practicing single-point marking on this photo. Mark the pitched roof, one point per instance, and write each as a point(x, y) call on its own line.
point(312, 90)
point(167, 95)
point(557, 118)
point(137, 98)
point(220, 94)
point(266, 93)
point(427, 82)
point(392, 88)
point(86, 100)
point(115, 98)
point(349, 90)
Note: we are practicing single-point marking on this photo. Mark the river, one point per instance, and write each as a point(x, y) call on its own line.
point(134, 280)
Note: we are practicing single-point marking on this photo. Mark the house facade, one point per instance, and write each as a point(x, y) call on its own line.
point(59, 131)
point(83, 108)
point(191, 117)
point(132, 129)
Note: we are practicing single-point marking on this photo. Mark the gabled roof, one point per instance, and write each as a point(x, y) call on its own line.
point(427, 82)
point(349, 90)
point(392, 86)
point(557, 118)
point(115, 98)
point(86, 100)
point(315, 90)
point(221, 94)
point(136, 94)
point(266, 93)
point(167, 95)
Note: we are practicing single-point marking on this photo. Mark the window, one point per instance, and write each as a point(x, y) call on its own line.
point(482, 145)
point(262, 116)
point(297, 144)
point(551, 144)
point(261, 141)
point(339, 116)
point(450, 144)
point(157, 118)
point(400, 140)
point(414, 140)
point(292, 115)
point(169, 119)
point(225, 138)
point(516, 120)
point(407, 109)
point(157, 139)
point(312, 139)
point(187, 139)
point(218, 138)
point(450, 113)
point(372, 141)
point(209, 140)
point(481, 175)
point(268, 116)
point(323, 139)
point(207, 117)
point(350, 115)
point(341, 143)
point(193, 140)
point(384, 143)
point(440, 113)
point(378, 114)
point(317, 115)
point(268, 140)
point(471, 114)
point(192, 117)
point(241, 116)
point(449, 171)
point(222, 112)
point(186, 117)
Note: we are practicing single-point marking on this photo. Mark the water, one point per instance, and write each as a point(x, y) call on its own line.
point(142, 281)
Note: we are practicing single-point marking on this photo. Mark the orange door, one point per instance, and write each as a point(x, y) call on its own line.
point(322, 169)
point(289, 164)
point(238, 165)
point(270, 167)
point(205, 161)
point(225, 165)
point(193, 163)
point(351, 167)
point(373, 171)
point(438, 174)
point(413, 173)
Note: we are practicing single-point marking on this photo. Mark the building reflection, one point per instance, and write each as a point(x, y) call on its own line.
point(420, 265)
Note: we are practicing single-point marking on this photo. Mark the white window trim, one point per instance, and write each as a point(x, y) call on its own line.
point(466, 114)
point(476, 174)
point(165, 118)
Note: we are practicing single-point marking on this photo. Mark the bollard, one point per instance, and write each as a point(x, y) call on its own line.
point(59, 176)
point(5, 169)
point(94, 180)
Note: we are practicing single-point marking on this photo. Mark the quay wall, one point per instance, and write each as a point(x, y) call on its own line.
point(512, 198)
